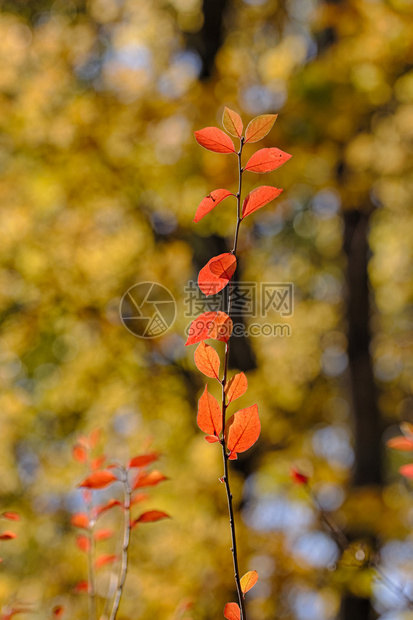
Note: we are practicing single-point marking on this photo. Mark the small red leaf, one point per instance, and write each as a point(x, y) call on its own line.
point(259, 127)
point(207, 360)
point(82, 586)
point(11, 515)
point(298, 477)
point(248, 581)
point(232, 122)
point(216, 325)
point(104, 559)
point(214, 139)
point(103, 534)
point(258, 198)
point(79, 453)
point(138, 497)
point(98, 462)
point(83, 543)
point(232, 611)
point(407, 470)
point(211, 438)
point(144, 459)
point(217, 273)
point(209, 202)
point(236, 387)
point(80, 519)
point(110, 504)
point(403, 444)
point(243, 429)
point(99, 480)
point(58, 611)
point(209, 418)
point(150, 516)
point(266, 160)
point(8, 536)
point(150, 479)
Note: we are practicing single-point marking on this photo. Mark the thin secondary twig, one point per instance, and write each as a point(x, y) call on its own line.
point(125, 543)
point(224, 407)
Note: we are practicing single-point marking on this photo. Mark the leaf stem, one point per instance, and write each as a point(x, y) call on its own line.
point(125, 543)
point(224, 407)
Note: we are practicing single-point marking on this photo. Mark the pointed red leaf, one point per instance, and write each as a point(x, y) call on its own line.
point(80, 519)
point(298, 477)
point(104, 507)
point(144, 459)
point(243, 429)
point(215, 325)
point(82, 586)
point(232, 122)
point(209, 202)
point(259, 127)
point(217, 273)
point(404, 444)
point(207, 360)
point(150, 516)
point(98, 462)
point(104, 559)
point(83, 543)
point(407, 470)
point(267, 160)
point(11, 515)
point(209, 418)
point(58, 611)
point(214, 139)
point(236, 387)
point(99, 480)
point(232, 611)
point(138, 497)
point(248, 581)
point(150, 479)
point(8, 536)
point(103, 534)
point(258, 198)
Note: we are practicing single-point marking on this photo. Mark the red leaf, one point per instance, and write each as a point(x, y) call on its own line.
point(104, 559)
point(110, 504)
point(407, 470)
point(79, 453)
point(150, 516)
point(95, 437)
point(11, 515)
point(211, 438)
point(243, 429)
point(248, 581)
point(236, 387)
point(80, 519)
point(232, 122)
point(8, 536)
point(259, 127)
point(258, 198)
point(207, 360)
point(214, 139)
point(58, 611)
point(298, 476)
point(144, 459)
point(216, 325)
point(404, 444)
point(267, 160)
point(209, 418)
point(217, 273)
point(99, 480)
point(103, 534)
point(232, 611)
point(209, 202)
point(83, 543)
point(150, 479)
point(138, 497)
point(82, 586)
point(98, 462)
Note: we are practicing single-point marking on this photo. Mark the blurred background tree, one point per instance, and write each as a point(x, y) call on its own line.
point(100, 179)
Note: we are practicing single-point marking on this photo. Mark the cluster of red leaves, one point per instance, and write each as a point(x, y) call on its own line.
point(100, 477)
point(404, 443)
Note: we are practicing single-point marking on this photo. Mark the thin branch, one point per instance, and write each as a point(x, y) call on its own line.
point(224, 408)
point(125, 543)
